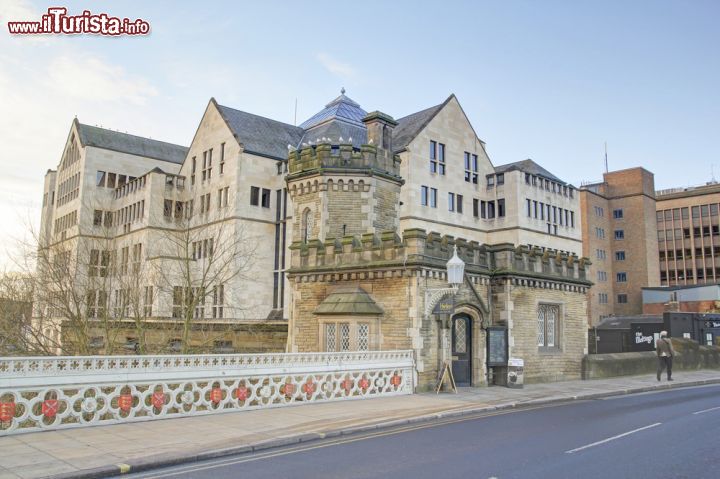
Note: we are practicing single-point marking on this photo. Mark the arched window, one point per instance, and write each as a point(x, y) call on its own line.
point(306, 225)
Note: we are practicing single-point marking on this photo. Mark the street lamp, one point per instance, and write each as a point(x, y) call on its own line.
point(455, 275)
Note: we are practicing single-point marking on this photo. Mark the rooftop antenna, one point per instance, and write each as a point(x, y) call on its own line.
point(295, 111)
point(606, 162)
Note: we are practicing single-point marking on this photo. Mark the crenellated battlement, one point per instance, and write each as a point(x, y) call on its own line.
point(417, 248)
point(342, 157)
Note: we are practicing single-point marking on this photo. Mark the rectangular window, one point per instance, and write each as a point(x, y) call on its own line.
point(529, 208)
point(619, 234)
point(468, 173)
point(218, 301)
point(363, 336)
point(548, 325)
point(433, 156)
point(433, 197)
point(476, 207)
point(572, 219)
point(451, 201)
point(491, 181)
point(535, 209)
point(265, 198)
point(441, 158)
point(148, 301)
point(424, 195)
point(491, 209)
point(500, 179)
point(97, 218)
point(254, 196)
point(330, 337)
point(483, 209)
point(100, 178)
point(618, 214)
point(621, 277)
point(620, 256)
point(459, 204)
point(222, 158)
point(177, 309)
point(622, 298)
point(501, 208)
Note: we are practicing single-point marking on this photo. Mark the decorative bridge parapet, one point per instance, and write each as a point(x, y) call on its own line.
point(43, 393)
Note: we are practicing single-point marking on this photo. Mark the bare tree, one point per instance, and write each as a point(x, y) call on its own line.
point(204, 253)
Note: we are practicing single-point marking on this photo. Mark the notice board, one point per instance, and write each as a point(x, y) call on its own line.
point(497, 346)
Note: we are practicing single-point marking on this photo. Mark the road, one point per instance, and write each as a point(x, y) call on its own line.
point(669, 434)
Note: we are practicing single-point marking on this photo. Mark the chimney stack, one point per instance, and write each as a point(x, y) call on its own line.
point(379, 129)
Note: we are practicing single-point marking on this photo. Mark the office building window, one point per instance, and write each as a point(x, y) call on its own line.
point(622, 298)
point(451, 201)
point(620, 256)
point(621, 277)
point(619, 234)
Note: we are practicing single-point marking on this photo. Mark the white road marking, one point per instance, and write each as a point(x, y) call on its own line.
point(707, 410)
point(612, 438)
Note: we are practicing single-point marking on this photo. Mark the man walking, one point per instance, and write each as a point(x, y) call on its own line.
point(665, 354)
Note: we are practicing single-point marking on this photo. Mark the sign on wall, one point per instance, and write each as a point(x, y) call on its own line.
point(446, 305)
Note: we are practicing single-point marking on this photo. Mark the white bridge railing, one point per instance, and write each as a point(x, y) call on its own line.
point(42, 393)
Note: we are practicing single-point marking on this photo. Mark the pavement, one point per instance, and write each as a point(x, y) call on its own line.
point(103, 451)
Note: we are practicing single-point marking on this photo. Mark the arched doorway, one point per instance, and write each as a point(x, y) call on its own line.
point(461, 349)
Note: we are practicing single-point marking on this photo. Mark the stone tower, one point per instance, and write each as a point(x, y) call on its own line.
point(339, 190)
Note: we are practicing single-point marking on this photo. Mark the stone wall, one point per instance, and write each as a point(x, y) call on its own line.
point(553, 364)
point(690, 356)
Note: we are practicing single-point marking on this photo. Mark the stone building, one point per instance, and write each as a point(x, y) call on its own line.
point(346, 222)
point(365, 275)
point(619, 234)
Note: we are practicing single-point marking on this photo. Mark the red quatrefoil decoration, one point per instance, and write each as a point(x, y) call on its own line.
point(7, 411)
point(50, 408)
point(289, 389)
point(395, 380)
point(347, 385)
point(241, 393)
point(125, 402)
point(216, 395)
point(309, 387)
point(364, 383)
point(158, 399)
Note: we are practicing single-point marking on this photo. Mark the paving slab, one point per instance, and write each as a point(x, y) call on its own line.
point(97, 451)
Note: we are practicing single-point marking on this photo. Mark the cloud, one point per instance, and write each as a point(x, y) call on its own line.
point(93, 79)
point(340, 69)
point(17, 10)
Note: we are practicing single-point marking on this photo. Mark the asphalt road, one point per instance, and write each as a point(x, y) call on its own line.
point(669, 434)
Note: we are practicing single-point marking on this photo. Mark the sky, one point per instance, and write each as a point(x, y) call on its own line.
point(552, 81)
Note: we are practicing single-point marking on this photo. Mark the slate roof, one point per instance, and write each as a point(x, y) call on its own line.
point(342, 117)
point(341, 108)
point(260, 135)
point(349, 301)
point(528, 166)
point(409, 126)
point(134, 145)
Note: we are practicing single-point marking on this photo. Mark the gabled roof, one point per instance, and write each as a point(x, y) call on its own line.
point(260, 135)
point(528, 166)
point(126, 143)
point(410, 126)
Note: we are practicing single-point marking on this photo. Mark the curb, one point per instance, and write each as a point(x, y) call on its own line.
point(169, 459)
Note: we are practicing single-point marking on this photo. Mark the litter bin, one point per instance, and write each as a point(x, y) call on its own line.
point(515, 374)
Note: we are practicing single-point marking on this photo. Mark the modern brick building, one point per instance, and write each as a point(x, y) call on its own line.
point(619, 235)
point(688, 233)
